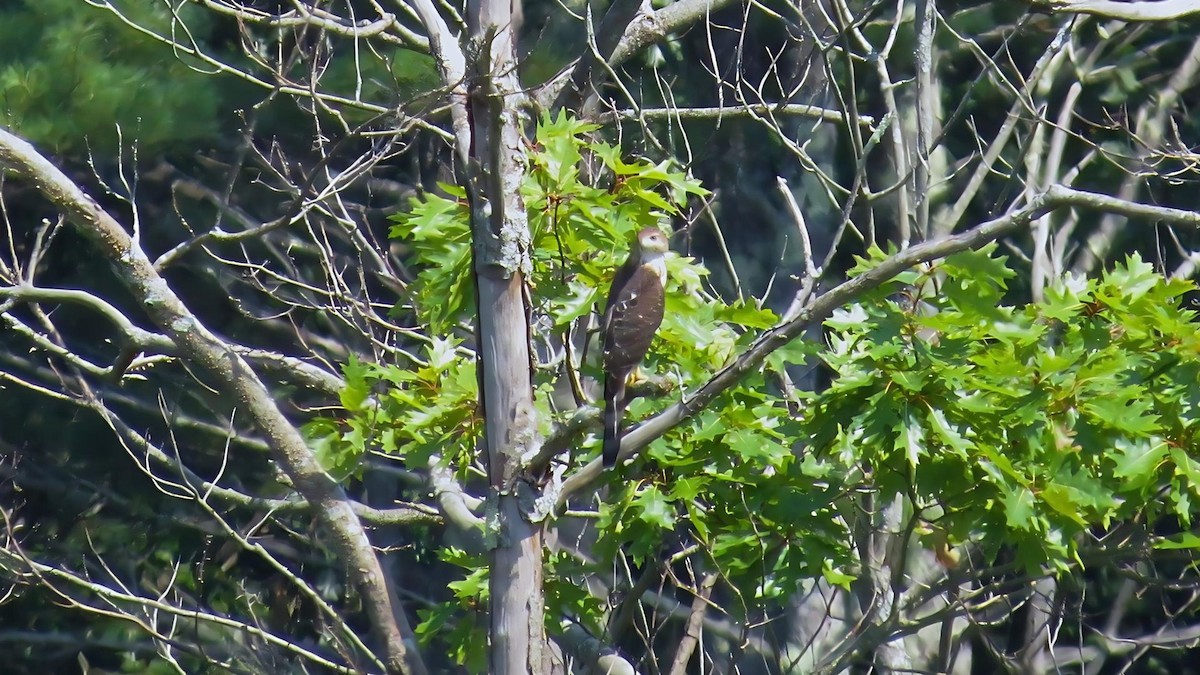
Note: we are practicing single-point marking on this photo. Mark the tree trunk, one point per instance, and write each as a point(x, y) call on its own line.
point(501, 248)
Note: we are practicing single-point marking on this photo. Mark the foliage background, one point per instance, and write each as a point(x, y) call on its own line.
point(1026, 422)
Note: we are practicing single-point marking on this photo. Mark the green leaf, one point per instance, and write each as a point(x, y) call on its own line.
point(1138, 462)
point(756, 448)
point(581, 300)
point(1187, 467)
point(746, 314)
point(1019, 509)
point(910, 439)
point(654, 508)
point(1065, 500)
point(473, 587)
point(837, 578)
point(1177, 542)
point(1126, 409)
point(946, 433)
point(356, 389)
point(339, 455)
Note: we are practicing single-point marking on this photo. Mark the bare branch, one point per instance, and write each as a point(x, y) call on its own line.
point(1149, 130)
point(782, 109)
point(17, 564)
point(140, 337)
point(646, 28)
point(1145, 10)
point(453, 503)
point(202, 348)
point(927, 101)
point(381, 27)
point(946, 223)
point(691, 631)
point(576, 641)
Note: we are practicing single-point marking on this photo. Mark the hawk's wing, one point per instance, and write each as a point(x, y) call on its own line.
point(633, 314)
point(631, 317)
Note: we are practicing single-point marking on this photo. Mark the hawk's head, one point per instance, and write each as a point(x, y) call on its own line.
point(652, 242)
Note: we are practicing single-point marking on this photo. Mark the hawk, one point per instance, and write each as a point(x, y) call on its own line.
point(632, 314)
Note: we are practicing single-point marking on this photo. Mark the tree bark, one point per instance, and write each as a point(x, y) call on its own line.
point(500, 230)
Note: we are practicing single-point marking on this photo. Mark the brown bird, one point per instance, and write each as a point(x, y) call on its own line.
point(632, 315)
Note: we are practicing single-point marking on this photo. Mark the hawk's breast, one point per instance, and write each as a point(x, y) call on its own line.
point(635, 314)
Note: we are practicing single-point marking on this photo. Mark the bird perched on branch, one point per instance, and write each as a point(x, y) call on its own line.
point(632, 314)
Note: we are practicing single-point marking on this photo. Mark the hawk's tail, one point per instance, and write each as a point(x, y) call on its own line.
point(614, 391)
